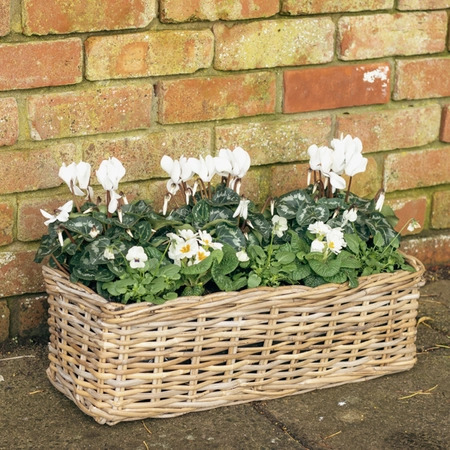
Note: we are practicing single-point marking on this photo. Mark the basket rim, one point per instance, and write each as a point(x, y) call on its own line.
point(61, 278)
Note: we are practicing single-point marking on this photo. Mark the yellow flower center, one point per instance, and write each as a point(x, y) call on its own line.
point(201, 256)
point(186, 248)
point(331, 244)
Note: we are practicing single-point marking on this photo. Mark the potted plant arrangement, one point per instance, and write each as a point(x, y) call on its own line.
point(213, 301)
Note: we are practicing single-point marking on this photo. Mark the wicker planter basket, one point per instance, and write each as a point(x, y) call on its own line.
point(127, 362)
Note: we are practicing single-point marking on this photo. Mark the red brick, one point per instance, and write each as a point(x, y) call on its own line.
point(390, 129)
point(141, 156)
point(440, 215)
point(7, 219)
point(433, 250)
point(4, 17)
point(37, 64)
point(445, 124)
point(69, 16)
point(19, 274)
point(29, 315)
point(31, 170)
point(394, 34)
point(275, 141)
point(145, 54)
point(409, 208)
point(413, 169)
point(30, 221)
point(201, 99)
point(298, 7)
point(256, 186)
point(104, 110)
point(272, 43)
point(212, 10)
point(336, 87)
point(9, 121)
point(422, 78)
point(408, 5)
point(286, 178)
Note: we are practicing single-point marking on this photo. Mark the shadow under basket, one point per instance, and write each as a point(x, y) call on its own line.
point(128, 362)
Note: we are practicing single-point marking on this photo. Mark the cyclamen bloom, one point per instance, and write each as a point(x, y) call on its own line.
point(242, 209)
point(76, 176)
point(62, 216)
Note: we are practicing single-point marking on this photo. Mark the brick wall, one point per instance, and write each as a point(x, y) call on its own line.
point(140, 78)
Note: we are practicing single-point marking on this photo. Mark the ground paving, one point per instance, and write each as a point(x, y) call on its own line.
point(405, 411)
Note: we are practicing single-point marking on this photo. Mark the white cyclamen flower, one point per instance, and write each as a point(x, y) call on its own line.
point(110, 172)
point(137, 257)
point(203, 167)
point(242, 209)
point(380, 201)
point(76, 176)
point(242, 256)
point(349, 216)
point(319, 228)
point(317, 246)
point(335, 240)
point(108, 253)
point(62, 216)
point(279, 225)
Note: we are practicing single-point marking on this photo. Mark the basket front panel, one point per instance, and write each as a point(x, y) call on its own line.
point(248, 347)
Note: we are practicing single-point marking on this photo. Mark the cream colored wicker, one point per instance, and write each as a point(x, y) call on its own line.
point(127, 362)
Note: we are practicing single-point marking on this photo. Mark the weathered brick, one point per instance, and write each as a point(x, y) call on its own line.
point(413, 169)
point(29, 315)
point(440, 215)
point(81, 113)
point(275, 141)
point(394, 34)
point(7, 219)
point(145, 54)
point(4, 20)
point(9, 121)
point(274, 43)
point(4, 321)
point(201, 99)
point(141, 155)
point(409, 208)
point(30, 170)
point(391, 128)
point(408, 5)
point(19, 274)
point(367, 184)
point(298, 7)
point(69, 16)
point(30, 221)
point(212, 10)
point(315, 89)
point(37, 64)
point(445, 124)
point(433, 250)
point(422, 78)
point(286, 178)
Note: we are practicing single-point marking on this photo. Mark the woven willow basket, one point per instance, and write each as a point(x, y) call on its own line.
point(127, 362)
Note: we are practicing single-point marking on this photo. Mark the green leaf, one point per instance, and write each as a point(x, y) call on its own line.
point(353, 242)
point(200, 213)
point(47, 247)
point(349, 261)
point(301, 272)
point(84, 225)
point(285, 257)
point(326, 268)
point(225, 196)
point(288, 204)
point(253, 281)
point(314, 281)
point(378, 240)
point(260, 224)
point(231, 235)
point(307, 215)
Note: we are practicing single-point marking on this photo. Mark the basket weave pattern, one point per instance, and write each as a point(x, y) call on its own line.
point(127, 362)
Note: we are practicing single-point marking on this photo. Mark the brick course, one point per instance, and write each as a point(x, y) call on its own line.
point(145, 54)
point(315, 89)
point(9, 121)
point(273, 43)
point(69, 16)
point(389, 129)
point(422, 4)
point(4, 20)
point(422, 78)
point(399, 34)
point(194, 10)
point(407, 209)
point(414, 169)
point(37, 64)
point(298, 7)
point(107, 110)
point(202, 99)
point(7, 219)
